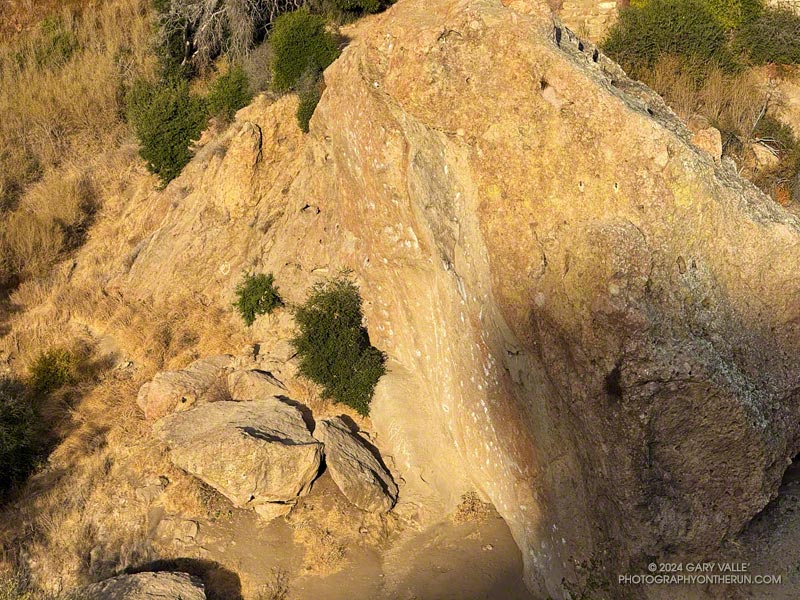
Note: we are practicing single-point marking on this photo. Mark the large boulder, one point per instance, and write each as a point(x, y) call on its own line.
point(253, 453)
point(143, 586)
point(359, 475)
point(202, 381)
point(244, 385)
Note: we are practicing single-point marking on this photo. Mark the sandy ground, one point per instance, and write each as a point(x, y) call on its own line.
point(371, 559)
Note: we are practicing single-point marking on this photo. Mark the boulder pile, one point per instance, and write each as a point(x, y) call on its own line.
point(234, 428)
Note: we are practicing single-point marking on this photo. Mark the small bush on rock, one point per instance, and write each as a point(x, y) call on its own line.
point(257, 295)
point(300, 43)
point(359, 6)
point(333, 345)
point(229, 93)
point(166, 119)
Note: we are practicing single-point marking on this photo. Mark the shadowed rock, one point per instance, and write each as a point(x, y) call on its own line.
point(143, 586)
point(355, 470)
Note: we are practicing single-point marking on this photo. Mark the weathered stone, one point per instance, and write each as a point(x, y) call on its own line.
point(518, 262)
point(152, 489)
point(172, 530)
point(359, 475)
point(765, 157)
point(247, 385)
point(251, 452)
point(706, 137)
point(202, 381)
point(272, 510)
point(143, 586)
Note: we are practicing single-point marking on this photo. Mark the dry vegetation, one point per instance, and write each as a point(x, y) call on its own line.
point(79, 518)
point(471, 509)
point(61, 85)
point(706, 58)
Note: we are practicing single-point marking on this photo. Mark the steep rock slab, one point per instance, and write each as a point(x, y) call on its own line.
point(595, 321)
point(202, 381)
point(143, 586)
point(251, 452)
point(359, 475)
point(244, 385)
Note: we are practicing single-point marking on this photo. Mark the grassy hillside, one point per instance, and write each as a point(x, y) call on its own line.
point(709, 58)
point(61, 92)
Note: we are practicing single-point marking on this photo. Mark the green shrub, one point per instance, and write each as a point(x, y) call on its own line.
point(359, 6)
point(19, 436)
point(257, 295)
point(732, 13)
point(772, 37)
point(166, 119)
point(729, 13)
point(686, 28)
point(300, 43)
point(333, 345)
point(52, 370)
point(229, 93)
point(308, 92)
point(12, 587)
point(57, 44)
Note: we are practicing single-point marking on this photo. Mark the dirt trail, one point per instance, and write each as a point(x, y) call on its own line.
point(458, 561)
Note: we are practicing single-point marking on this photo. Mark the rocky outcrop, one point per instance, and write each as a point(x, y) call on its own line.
point(254, 453)
point(143, 586)
point(244, 385)
point(204, 380)
point(359, 475)
point(588, 318)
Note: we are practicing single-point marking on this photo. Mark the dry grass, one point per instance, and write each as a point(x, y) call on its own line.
point(471, 509)
point(85, 500)
point(731, 102)
point(16, 16)
point(740, 105)
point(79, 518)
point(12, 587)
point(61, 87)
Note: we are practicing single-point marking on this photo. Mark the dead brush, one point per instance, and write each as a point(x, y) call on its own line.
point(471, 509)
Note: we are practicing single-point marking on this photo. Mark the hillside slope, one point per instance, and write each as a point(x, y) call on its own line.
point(587, 318)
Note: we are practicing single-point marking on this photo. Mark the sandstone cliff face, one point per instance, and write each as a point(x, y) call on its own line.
point(587, 317)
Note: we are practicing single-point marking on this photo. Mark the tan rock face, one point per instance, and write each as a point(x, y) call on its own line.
point(587, 317)
point(246, 385)
point(202, 381)
point(251, 452)
point(359, 475)
point(706, 137)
